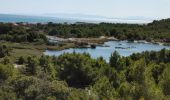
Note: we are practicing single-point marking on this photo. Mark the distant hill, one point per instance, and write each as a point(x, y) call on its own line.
point(164, 23)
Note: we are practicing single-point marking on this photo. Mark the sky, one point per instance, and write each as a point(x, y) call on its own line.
point(107, 8)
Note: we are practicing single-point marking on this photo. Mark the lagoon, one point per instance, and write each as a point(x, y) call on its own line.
point(124, 48)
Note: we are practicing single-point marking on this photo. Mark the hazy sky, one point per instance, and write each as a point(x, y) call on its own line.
point(109, 8)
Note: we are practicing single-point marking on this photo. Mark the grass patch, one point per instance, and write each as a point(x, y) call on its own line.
point(32, 49)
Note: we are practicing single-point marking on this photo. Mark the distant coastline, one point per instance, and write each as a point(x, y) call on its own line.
point(44, 19)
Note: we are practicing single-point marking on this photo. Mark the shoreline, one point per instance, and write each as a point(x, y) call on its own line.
point(94, 42)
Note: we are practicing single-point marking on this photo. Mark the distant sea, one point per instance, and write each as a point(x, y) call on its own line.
point(38, 19)
point(32, 19)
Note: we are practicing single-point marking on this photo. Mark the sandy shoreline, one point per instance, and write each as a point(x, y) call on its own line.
point(96, 41)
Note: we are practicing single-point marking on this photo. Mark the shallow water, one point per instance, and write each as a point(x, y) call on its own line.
point(105, 52)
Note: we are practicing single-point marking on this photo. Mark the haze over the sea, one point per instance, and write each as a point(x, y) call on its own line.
point(125, 11)
point(70, 19)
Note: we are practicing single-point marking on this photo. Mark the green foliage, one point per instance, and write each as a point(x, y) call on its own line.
point(76, 69)
point(165, 80)
point(44, 63)
point(114, 60)
point(6, 94)
point(32, 88)
point(157, 30)
point(139, 76)
point(157, 71)
point(136, 72)
point(4, 51)
point(79, 94)
point(6, 60)
point(5, 72)
point(104, 89)
point(20, 33)
point(124, 90)
point(31, 66)
point(21, 60)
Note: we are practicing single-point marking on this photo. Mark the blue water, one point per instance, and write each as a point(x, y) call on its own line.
point(32, 19)
point(105, 52)
point(44, 19)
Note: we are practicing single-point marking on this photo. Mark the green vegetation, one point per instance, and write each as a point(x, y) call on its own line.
point(157, 31)
point(26, 39)
point(78, 76)
point(27, 74)
point(29, 49)
point(10, 32)
point(4, 51)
